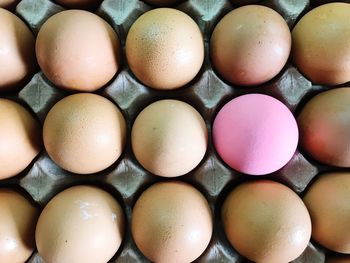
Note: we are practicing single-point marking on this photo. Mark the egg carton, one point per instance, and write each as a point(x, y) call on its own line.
point(208, 92)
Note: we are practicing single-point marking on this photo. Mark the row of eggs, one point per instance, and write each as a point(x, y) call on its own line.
point(171, 221)
point(255, 134)
point(77, 50)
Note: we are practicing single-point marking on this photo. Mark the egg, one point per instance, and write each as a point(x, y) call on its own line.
point(328, 201)
point(169, 138)
point(250, 45)
point(164, 48)
point(79, 3)
point(8, 3)
point(81, 224)
point(17, 53)
point(321, 44)
point(84, 133)
point(255, 134)
point(266, 221)
point(171, 222)
point(17, 219)
point(78, 50)
point(324, 125)
point(20, 138)
point(163, 2)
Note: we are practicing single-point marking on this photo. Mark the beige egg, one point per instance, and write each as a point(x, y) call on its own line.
point(77, 50)
point(321, 48)
point(328, 201)
point(17, 53)
point(84, 133)
point(18, 218)
point(84, 4)
point(163, 2)
point(8, 3)
point(250, 45)
point(80, 224)
point(169, 138)
point(164, 48)
point(20, 138)
point(171, 222)
point(266, 222)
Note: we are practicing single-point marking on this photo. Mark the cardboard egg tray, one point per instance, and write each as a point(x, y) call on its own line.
point(126, 179)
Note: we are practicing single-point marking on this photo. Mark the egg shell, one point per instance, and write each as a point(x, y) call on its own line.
point(171, 222)
point(250, 45)
point(266, 222)
point(17, 56)
point(169, 138)
point(84, 133)
point(255, 134)
point(324, 124)
point(321, 48)
point(328, 201)
point(20, 138)
point(17, 219)
point(78, 50)
point(81, 224)
point(165, 48)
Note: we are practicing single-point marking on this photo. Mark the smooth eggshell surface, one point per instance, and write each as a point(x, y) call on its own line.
point(321, 47)
point(324, 125)
point(339, 259)
point(80, 224)
point(79, 3)
point(17, 219)
point(20, 138)
point(17, 52)
point(255, 134)
point(328, 201)
point(250, 45)
point(171, 222)
point(169, 138)
point(84, 133)
point(78, 50)
point(266, 222)
point(165, 48)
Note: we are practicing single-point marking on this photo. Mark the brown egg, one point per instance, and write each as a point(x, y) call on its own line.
point(328, 201)
point(80, 224)
point(250, 45)
point(165, 48)
point(17, 53)
point(20, 138)
point(8, 4)
point(321, 44)
point(266, 221)
point(17, 219)
point(169, 138)
point(84, 4)
point(84, 133)
point(171, 222)
point(77, 50)
point(324, 125)
point(163, 2)
point(340, 259)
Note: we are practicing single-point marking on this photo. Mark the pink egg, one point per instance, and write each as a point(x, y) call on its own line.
point(255, 134)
